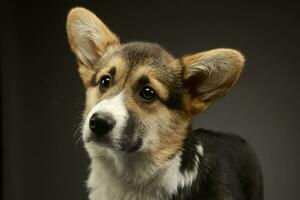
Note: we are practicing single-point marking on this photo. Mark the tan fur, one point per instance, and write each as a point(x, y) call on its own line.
point(86, 74)
point(195, 105)
point(91, 99)
point(171, 139)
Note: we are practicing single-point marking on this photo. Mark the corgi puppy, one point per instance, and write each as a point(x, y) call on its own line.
point(139, 105)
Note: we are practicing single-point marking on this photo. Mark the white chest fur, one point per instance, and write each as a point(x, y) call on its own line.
point(106, 184)
point(113, 180)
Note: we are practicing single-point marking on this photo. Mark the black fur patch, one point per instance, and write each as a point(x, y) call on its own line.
point(130, 125)
point(228, 169)
point(144, 80)
point(128, 142)
point(175, 100)
point(112, 72)
point(189, 154)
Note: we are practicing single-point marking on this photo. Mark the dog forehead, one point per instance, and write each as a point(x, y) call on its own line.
point(136, 59)
point(142, 53)
point(148, 57)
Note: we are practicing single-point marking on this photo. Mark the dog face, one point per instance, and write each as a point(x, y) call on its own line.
point(139, 98)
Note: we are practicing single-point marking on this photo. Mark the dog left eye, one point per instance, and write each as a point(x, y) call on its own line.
point(105, 82)
point(148, 93)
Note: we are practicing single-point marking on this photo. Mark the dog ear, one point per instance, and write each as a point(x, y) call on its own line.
point(89, 39)
point(209, 75)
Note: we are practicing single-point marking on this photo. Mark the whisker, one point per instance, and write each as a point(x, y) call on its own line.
point(77, 132)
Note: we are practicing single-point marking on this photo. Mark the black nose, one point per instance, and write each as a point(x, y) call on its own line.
point(101, 124)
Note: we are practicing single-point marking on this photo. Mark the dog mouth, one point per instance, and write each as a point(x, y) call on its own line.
point(122, 145)
point(132, 146)
point(102, 141)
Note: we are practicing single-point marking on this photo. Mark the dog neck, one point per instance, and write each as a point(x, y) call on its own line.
point(117, 175)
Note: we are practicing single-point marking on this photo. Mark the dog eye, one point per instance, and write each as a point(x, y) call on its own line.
point(147, 93)
point(105, 82)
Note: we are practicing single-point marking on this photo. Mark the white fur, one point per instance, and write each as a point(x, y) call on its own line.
point(200, 149)
point(114, 106)
point(107, 183)
point(139, 179)
point(175, 178)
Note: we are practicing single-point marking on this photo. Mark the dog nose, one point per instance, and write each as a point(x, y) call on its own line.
point(101, 124)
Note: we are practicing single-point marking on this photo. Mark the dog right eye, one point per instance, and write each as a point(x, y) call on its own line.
point(105, 82)
point(148, 94)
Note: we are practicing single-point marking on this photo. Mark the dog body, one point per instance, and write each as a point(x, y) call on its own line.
point(137, 121)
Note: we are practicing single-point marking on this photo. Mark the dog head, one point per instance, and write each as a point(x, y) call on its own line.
point(139, 98)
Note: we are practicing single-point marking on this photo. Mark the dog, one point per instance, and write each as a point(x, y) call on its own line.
point(140, 101)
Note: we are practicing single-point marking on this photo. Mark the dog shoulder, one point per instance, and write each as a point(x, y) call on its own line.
point(217, 156)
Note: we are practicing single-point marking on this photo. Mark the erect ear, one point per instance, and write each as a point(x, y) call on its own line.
point(209, 75)
point(89, 38)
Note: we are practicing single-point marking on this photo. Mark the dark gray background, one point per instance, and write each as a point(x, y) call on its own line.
point(42, 96)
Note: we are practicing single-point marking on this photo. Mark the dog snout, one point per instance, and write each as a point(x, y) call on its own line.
point(101, 123)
